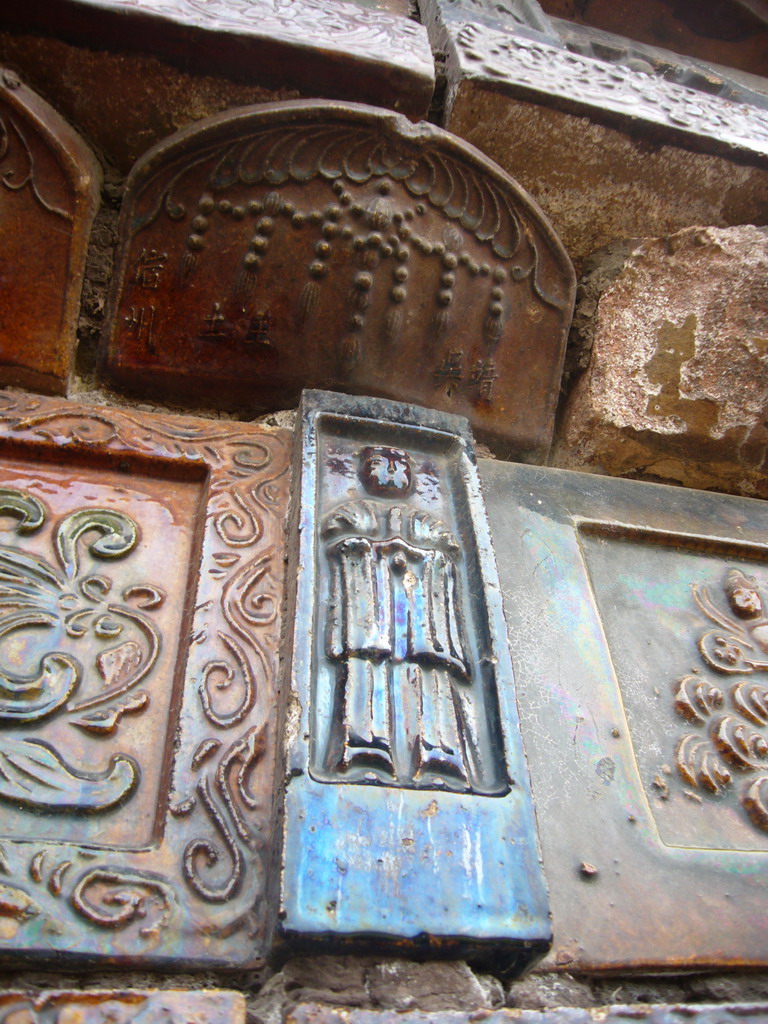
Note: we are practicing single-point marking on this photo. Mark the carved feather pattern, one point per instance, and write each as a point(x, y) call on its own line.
point(698, 765)
point(696, 699)
point(751, 700)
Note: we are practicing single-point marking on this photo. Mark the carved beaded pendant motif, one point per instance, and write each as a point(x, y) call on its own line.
point(304, 244)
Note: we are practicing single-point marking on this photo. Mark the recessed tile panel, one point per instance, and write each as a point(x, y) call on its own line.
point(636, 616)
point(140, 588)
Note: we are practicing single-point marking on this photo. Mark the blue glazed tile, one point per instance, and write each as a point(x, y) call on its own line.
point(408, 816)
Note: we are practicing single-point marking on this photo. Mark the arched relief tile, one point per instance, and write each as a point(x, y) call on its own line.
point(308, 244)
point(140, 593)
point(49, 194)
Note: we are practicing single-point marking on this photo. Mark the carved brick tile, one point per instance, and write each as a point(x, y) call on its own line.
point(140, 587)
point(307, 244)
point(732, 1013)
point(127, 1006)
point(343, 49)
point(608, 151)
point(49, 193)
point(408, 821)
point(637, 618)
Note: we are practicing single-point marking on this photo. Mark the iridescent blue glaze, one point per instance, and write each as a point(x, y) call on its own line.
point(408, 816)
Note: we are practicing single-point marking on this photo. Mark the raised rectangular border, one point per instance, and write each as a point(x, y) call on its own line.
point(197, 897)
point(645, 906)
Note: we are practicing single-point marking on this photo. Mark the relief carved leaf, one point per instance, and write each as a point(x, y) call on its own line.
point(739, 744)
point(119, 535)
point(33, 774)
point(755, 802)
point(118, 664)
point(696, 699)
point(32, 698)
point(698, 765)
point(728, 653)
point(751, 701)
point(16, 903)
point(28, 510)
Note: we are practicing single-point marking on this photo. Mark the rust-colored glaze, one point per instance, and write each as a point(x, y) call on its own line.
point(308, 244)
point(140, 588)
point(123, 1006)
point(345, 49)
point(49, 193)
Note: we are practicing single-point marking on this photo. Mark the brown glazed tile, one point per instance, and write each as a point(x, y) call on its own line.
point(636, 616)
point(49, 193)
point(366, 50)
point(140, 588)
point(312, 244)
point(126, 1006)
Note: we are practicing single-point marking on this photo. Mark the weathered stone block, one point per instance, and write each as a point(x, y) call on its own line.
point(408, 826)
point(636, 616)
point(676, 386)
point(140, 589)
point(608, 151)
point(49, 193)
point(127, 1006)
point(309, 244)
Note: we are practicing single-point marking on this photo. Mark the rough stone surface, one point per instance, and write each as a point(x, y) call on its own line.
point(402, 985)
point(327, 979)
point(543, 991)
point(676, 388)
point(368, 983)
point(597, 183)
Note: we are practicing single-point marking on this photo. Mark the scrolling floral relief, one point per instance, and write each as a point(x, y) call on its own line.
point(728, 752)
point(140, 588)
